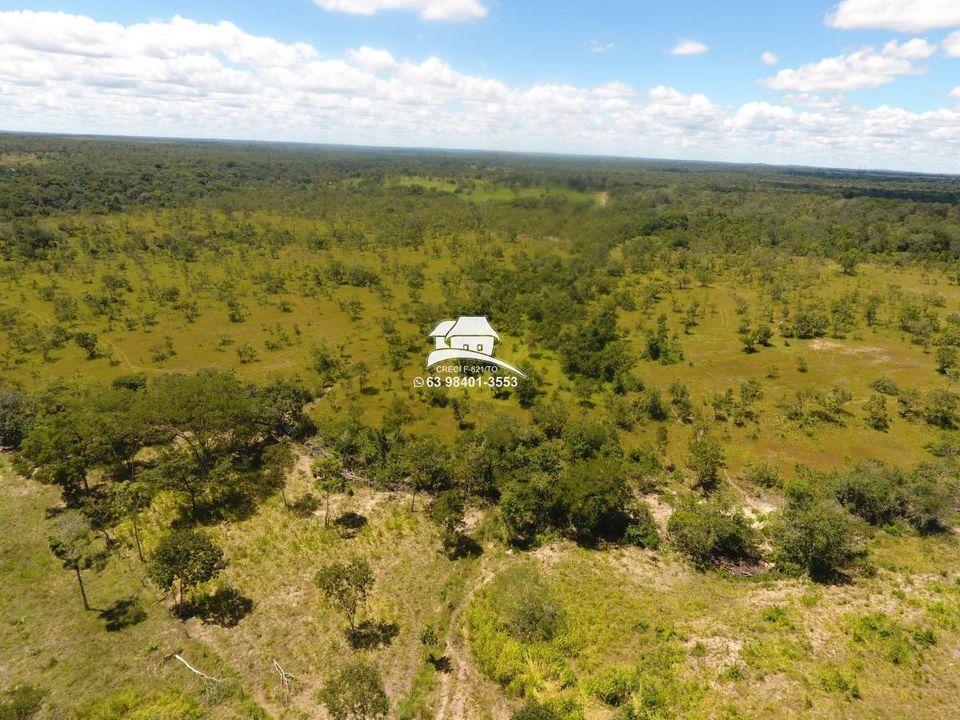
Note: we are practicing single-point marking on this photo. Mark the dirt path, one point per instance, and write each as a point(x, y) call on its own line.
point(455, 686)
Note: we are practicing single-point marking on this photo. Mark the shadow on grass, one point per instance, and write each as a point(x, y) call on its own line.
point(368, 634)
point(350, 523)
point(465, 547)
point(122, 614)
point(440, 663)
point(305, 506)
point(225, 607)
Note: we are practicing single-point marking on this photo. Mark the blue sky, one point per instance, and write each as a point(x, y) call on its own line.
point(866, 83)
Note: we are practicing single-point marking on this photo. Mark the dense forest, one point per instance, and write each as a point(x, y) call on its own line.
point(727, 487)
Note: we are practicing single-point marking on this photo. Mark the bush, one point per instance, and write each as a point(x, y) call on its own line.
point(710, 531)
point(524, 510)
point(642, 530)
point(533, 710)
point(941, 408)
point(706, 459)
point(16, 411)
point(885, 386)
point(131, 706)
point(613, 686)
point(21, 702)
point(871, 490)
point(816, 536)
point(930, 498)
point(528, 609)
point(355, 692)
point(763, 474)
point(882, 495)
point(590, 498)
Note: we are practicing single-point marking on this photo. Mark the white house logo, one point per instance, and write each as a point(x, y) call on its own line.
point(469, 337)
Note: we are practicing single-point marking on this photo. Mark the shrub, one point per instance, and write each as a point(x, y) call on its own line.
point(524, 510)
point(816, 536)
point(533, 710)
point(706, 458)
point(168, 705)
point(21, 702)
point(871, 490)
point(881, 495)
point(930, 498)
point(590, 498)
point(709, 531)
point(642, 530)
point(528, 609)
point(763, 474)
point(613, 686)
point(885, 386)
point(877, 416)
point(355, 692)
point(941, 408)
point(16, 411)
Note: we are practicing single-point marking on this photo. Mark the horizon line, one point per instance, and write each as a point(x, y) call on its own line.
point(477, 151)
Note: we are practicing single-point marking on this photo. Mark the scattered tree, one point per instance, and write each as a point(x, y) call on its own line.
point(355, 693)
point(185, 558)
point(346, 586)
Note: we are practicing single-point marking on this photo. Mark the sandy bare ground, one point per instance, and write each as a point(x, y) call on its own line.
point(870, 353)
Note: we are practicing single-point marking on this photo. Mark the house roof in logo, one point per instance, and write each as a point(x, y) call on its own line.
point(471, 325)
point(442, 328)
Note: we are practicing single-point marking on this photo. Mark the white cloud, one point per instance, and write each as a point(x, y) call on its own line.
point(769, 58)
point(688, 47)
point(371, 59)
point(598, 47)
point(951, 44)
point(955, 93)
point(68, 73)
point(864, 68)
point(444, 10)
point(902, 15)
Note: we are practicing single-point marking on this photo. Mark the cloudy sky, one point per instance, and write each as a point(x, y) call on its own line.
point(862, 83)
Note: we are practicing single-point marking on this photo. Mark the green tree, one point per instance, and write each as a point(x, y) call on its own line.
point(326, 363)
point(591, 498)
point(74, 544)
point(711, 531)
point(524, 509)
point(447, 513)
point(877, 416)
point(328, 478)
point(815, 535)
point(129, 499)
point(185, 558)
point(461, 408)
point(16, 413)
point(705, 458)
point(427, 461)
point(89, 343)
point(346, 586)
point(849, 261)
point(355, 693)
